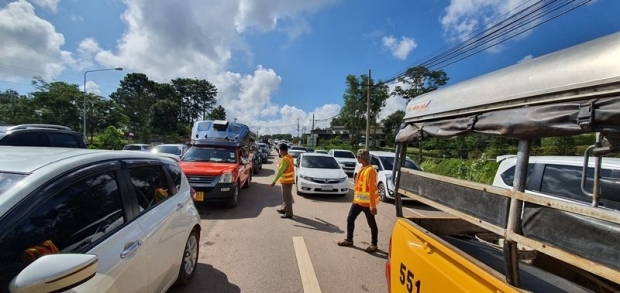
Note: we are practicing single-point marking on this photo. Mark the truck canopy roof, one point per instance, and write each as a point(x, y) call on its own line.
point(546, 96)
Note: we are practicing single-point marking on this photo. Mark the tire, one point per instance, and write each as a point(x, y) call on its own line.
point(255, 169)
point(189, 261)
point(247, 182)
point(382, 192)
point(235, 199)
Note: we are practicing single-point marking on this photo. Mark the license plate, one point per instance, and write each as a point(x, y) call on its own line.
point(326, 187)
point(200, 196)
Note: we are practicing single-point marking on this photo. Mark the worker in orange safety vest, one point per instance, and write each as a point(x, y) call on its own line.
point(365, 200)
point(286, 175)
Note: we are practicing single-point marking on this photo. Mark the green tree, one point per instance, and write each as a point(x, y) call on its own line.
point(163, 117)
point(419, 80)
point(112, 138)
point(58, 103)
point(218, 113)
point(135, 96)
point(196, 97)
point(16, 108)
point(391, 125)
point(353, 113)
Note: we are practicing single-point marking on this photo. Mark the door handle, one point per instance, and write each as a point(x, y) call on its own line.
point(131, 249)
point(179, 206)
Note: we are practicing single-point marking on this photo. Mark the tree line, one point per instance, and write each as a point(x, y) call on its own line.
point(139, 106)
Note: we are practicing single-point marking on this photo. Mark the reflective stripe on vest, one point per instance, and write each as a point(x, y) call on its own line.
point(362, 187)
point(289, 173)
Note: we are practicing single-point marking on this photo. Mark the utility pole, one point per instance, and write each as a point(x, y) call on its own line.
point(298, 128)
point(312, 130)
point(368, 112)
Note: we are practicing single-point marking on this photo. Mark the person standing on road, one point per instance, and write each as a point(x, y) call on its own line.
point(286, 174)
point(365, 200)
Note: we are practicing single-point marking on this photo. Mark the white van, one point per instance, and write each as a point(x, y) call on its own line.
point(384, 163)
point(558, 176)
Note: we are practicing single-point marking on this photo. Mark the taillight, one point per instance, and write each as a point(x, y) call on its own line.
point(388, 268)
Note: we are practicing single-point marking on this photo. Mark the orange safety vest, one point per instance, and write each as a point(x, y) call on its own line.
point(33, 253)
point(289, 173)
point(363, 188)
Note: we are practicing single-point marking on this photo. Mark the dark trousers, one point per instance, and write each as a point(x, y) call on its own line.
point(287, 199)
point(353, 213)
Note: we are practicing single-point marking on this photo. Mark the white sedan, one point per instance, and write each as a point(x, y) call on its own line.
point(320, 174)
point(94, 221)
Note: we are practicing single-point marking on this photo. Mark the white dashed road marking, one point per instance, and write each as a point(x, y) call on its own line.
point(306, 270)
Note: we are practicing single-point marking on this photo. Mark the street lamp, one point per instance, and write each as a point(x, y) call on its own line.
point(84, 107)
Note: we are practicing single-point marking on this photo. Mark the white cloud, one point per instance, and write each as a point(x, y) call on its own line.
point(76, 18)
point(526, 58)
point(92, 87)
point(462, 17)
point(399, 49)
point(49, 4)
point(34, 46)
point(393, 103)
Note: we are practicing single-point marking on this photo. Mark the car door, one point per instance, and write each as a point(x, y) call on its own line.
point(159, 218)
point(83, 212)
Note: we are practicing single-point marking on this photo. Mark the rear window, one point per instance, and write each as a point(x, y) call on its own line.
point(8, 180)
point(63, 140)
point(132, 148)
point(342, 154)
point(22, 139)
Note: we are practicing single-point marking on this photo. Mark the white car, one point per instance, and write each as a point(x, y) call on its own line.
point(138, 147)
point(346, 159)
point(94, 221)
point(295, 154)
point(384, 163)
point(320, 174)
point(177, 150)
point(558, 176)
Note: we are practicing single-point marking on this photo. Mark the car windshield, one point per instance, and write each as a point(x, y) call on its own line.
point(344, 154)
point(388, 163)
point(209, 154)
point(295, 154)
point(8, 180)
point(169, 149)
point(319, 162)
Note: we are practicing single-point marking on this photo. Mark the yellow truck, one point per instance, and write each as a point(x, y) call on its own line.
point(493, 239)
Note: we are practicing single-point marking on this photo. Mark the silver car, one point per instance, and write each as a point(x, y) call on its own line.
point(94, 221)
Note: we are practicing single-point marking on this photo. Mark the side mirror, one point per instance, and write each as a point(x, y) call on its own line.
point(55, 272)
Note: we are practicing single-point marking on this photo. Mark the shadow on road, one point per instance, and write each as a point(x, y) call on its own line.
point(264, 173)
point(207, 279)
point(317, 224)
point(379, 253)
point(252, 201)
point(327, 197)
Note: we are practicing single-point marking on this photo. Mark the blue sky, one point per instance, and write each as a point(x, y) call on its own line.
point(273, 61)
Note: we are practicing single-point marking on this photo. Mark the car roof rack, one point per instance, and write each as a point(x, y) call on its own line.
point(30, 126)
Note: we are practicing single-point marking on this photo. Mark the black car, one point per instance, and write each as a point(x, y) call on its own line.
point(40, 135)
point(257, 161)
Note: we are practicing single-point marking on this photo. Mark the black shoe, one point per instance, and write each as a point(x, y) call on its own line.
point(281, 211)
point(285, 217)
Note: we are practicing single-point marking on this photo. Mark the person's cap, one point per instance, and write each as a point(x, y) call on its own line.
point(363, 153)
point(283, 147)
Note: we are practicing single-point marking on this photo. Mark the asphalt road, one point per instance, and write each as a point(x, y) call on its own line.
point(251, 249)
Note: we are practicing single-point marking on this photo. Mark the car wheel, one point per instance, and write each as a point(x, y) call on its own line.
point(235, 198)
point(247, 182)
point(189, 260)
point(255, 169)
point(382, 192)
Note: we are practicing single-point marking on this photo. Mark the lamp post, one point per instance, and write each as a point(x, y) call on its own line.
point(84, 89)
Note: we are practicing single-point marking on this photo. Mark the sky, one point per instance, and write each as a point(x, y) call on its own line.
point(276, 63)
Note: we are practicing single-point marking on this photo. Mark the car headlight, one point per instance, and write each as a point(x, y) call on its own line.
point(342, 179)
point(226, 178)
point(341, 165)
point(306, 177)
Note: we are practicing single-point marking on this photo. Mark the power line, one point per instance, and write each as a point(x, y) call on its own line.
point(505, 29)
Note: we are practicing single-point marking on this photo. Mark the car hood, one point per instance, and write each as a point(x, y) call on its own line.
point(206, 168)
point(346, 160)
point(321, 173)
